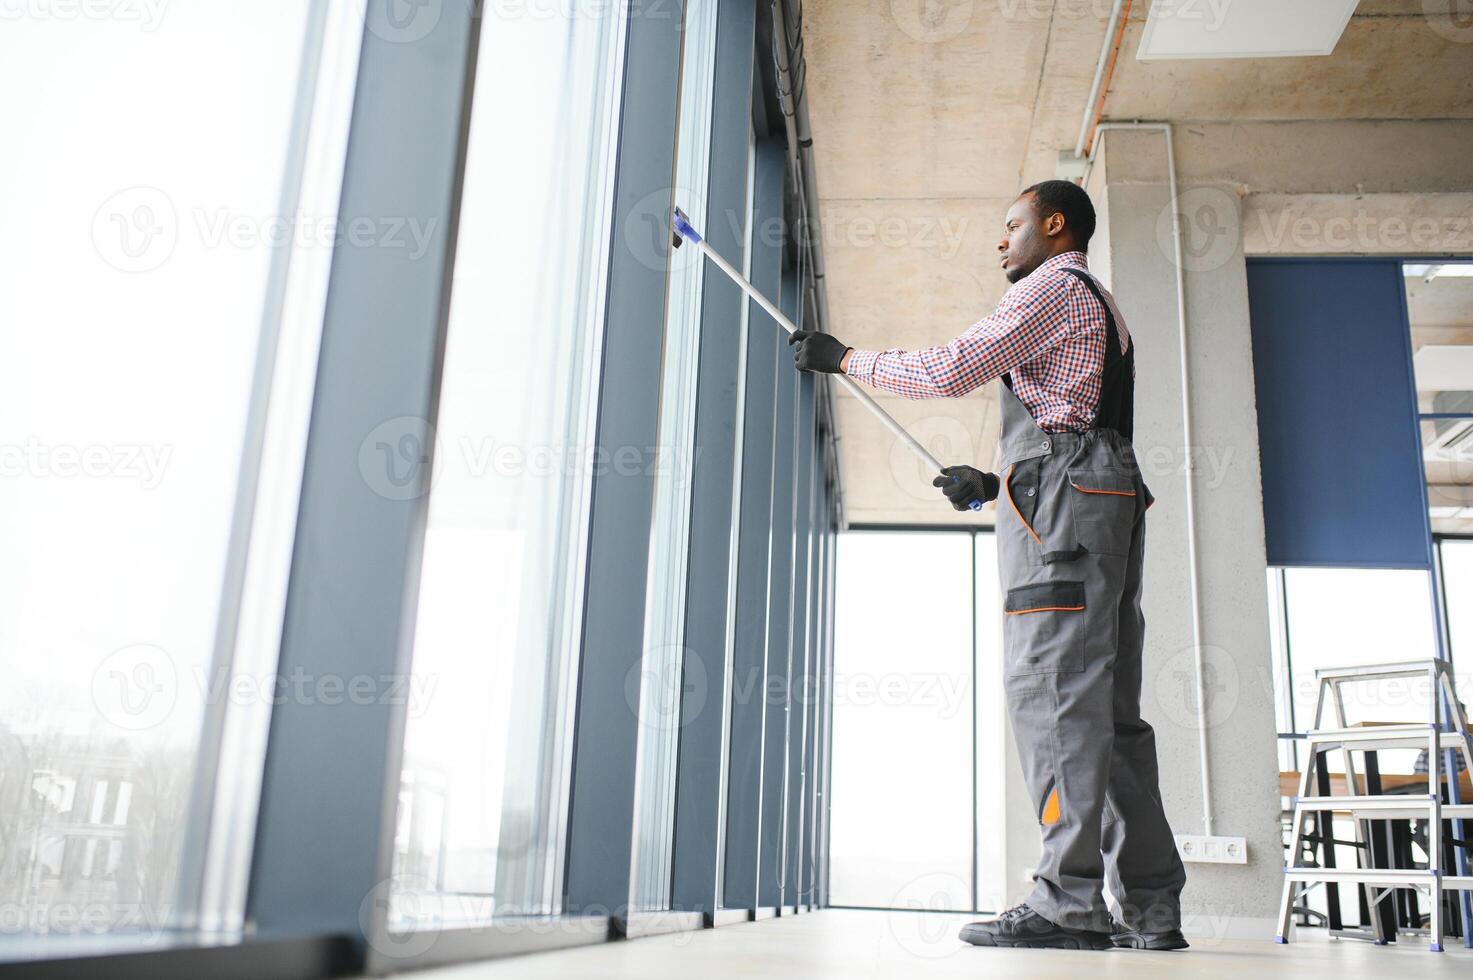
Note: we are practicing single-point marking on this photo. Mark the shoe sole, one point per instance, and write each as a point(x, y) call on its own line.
point(1158, 943)
point(1052, 942)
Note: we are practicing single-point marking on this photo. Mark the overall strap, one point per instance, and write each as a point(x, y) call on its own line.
point(1116, 407)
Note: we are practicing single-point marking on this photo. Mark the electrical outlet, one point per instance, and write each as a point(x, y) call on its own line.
point(1212, 850)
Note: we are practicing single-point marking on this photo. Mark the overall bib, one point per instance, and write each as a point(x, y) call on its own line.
point(1070, 537)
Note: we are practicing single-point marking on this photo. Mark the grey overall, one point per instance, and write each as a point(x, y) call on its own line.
point(1071, 537)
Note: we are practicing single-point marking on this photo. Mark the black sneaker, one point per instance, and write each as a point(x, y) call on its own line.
point(1022, 928)
point(1140, 939)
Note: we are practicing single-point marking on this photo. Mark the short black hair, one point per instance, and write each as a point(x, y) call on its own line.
point(1069, 199)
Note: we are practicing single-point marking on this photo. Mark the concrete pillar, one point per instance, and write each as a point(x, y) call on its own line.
point(1132, 252)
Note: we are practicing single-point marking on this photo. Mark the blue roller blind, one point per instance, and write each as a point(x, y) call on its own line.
point(1343, 483)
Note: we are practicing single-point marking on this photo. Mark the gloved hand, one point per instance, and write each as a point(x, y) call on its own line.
point(816, 351)
point(963, 484)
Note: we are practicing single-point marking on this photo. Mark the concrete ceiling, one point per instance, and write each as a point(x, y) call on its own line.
point(929, 116)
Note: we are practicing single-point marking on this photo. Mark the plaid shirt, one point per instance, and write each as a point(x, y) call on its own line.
point(1048, 330)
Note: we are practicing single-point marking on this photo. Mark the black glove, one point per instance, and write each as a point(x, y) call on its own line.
point(963, 484)
point(816, 351)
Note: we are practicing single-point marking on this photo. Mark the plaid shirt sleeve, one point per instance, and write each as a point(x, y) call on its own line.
point(1033, 317)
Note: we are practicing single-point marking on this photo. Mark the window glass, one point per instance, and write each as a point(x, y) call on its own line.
point(141, 215)
point(1440, 311)
point(487, 746)
point(902, 721)
point(660, 672)
point(1457, 582)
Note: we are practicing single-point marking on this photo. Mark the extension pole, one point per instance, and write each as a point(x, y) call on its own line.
point(684, 232)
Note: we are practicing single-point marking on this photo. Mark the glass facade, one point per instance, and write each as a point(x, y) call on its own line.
point(488, 740)
point(661, 672)
point(303, 541)
point(135, 276)
point(919, 698)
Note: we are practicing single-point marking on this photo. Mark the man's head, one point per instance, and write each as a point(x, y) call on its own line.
point(1047, 219)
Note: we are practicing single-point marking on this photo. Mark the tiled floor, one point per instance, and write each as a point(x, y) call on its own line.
point(853, 944)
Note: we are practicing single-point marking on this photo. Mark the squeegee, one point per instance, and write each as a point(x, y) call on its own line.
point(685, 232)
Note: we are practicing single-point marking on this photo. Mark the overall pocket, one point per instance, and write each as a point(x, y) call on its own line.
point(1043, 631)
point(1104, 508)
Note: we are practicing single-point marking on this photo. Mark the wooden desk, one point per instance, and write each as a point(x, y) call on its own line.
point(1289, 783)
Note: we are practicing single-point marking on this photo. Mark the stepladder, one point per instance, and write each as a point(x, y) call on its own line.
point(1443, 734)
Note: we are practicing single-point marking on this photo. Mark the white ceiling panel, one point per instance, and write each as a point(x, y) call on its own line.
point(1243, 28)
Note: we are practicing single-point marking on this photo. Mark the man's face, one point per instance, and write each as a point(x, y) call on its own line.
point(1026, 242)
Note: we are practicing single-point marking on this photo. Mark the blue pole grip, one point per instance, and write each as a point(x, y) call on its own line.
point(975, 504)
point(683, 228)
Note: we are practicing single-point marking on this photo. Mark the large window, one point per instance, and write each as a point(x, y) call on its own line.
point(919, 742)
point(1346, 617)
point(143, 195)
point(1457, 590)
point(279, 695)
point(1439, 299)
point(487, 747)
point(660, 675)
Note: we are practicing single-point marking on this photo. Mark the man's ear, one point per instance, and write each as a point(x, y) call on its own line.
point(1054, 224)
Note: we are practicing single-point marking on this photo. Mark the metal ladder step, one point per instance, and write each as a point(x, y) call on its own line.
point(1383, 737)
point(1366, 876)
point(1404, 807)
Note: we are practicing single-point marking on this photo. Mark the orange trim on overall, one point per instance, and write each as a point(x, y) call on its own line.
point(1051, 809)
point(1117, 493)
point(1019, 612)
point(1007, 486)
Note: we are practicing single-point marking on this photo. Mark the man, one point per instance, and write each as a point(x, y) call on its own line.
point(1070, 544)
